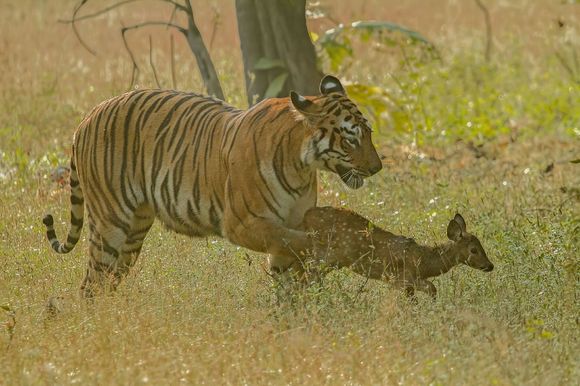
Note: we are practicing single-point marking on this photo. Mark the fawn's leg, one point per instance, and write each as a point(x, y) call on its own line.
point(427, 287)
point(408, 287)
point(288, 275)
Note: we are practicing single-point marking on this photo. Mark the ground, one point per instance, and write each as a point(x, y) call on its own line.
point(496, 141)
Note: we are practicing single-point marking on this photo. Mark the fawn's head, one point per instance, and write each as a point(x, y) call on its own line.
point(468, 247)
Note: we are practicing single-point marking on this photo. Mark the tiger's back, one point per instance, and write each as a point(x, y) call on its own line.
point(156, 151)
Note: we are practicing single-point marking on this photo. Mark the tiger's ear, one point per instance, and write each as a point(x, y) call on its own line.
point(304, 106)
point(330, 84)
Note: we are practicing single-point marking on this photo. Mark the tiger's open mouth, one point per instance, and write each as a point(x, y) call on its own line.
point(351, 177)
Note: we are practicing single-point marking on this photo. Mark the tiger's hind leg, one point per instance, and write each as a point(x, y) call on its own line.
point(143, 219)
point(106, 241)
point(113, 251)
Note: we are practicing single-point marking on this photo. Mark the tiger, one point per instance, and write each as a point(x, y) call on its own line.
point(203, 167)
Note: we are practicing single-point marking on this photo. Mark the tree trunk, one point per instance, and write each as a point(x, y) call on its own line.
point(252, 49)
point(204, 62)
point(276, 30)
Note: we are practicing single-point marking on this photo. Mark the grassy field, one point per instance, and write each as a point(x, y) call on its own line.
point(493, 140)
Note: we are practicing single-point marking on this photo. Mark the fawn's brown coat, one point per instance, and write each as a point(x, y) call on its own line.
point(342, 238)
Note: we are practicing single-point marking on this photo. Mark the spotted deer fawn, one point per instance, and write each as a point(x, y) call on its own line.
point(342, 238)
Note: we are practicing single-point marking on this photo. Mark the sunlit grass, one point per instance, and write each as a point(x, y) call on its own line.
point(201, 311)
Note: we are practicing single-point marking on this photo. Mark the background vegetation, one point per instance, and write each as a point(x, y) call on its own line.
point(493, 139)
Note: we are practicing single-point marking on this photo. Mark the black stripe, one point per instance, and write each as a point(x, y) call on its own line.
point(76, 200)
point(210, 133)
point(170, 95)
point(232, 208)
point(78, 222)
point(100, 267)
point(165, 198)
point(282, 111)
point(197, 125)
point(192, 216)
point(97, 205)
point(265, 182)
point(169, 116)
point(126, 127)
point(105, 248)
point(250, 211)
point(196, 192)
point(72, 240)
point(178, 174)
point(279, 169)
point(151, 108)
point(214, 220)
point(176, 126)
point(132, 251)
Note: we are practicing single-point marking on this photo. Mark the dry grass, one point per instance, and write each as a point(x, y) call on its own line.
point(198, 311)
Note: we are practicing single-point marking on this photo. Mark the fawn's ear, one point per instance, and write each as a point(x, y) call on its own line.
point(454, 231)
point(461, 222)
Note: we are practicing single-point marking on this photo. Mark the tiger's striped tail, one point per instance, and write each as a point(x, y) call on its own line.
point(76, 217)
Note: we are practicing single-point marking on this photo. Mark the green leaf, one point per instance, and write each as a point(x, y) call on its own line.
point(268, 64)
point(378, 26)
point(313, 36)
point(336, 42)
point(576, 161)
point(375, 100)
point(337, 53)
point(367, 27)
point(275, 87)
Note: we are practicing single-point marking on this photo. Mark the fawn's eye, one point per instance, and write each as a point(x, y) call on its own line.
point(473, 250)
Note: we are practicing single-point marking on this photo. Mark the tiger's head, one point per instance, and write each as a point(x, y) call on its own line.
point(341, 135)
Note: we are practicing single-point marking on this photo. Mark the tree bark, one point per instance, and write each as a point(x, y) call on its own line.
point(288, 20)
point(251, 45)
point(276, 30)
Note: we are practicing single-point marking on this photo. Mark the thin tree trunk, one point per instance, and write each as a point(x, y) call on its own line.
point(204, 62)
